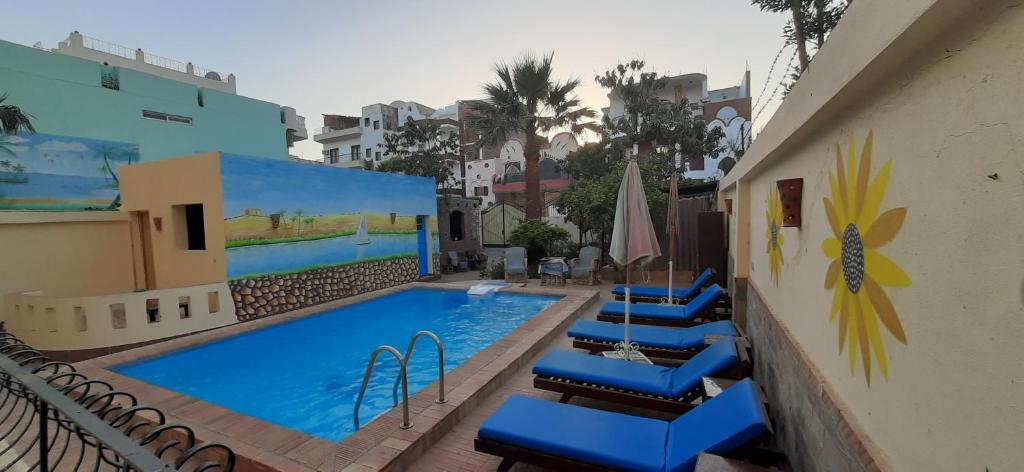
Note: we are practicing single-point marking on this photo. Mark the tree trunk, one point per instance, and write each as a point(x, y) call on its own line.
point(534, 199)
point(798, 32)
point(819, 14)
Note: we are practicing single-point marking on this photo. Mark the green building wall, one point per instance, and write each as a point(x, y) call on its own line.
point(64, 96)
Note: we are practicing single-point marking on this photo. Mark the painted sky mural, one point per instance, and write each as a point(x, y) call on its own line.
point(282, 217)
point(51, 172)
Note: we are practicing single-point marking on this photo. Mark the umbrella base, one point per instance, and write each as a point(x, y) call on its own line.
point(634, 356)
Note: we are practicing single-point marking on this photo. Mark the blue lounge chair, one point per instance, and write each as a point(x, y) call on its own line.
point(574, 373)
point(651, 293)
point(654, 341)
point(570, 437)
point(700, 308)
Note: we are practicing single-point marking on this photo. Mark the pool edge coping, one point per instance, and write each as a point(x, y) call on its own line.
point(378, 445)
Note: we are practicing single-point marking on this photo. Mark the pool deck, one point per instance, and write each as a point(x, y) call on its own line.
point(380, 444)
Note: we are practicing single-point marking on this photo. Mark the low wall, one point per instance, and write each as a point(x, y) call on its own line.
point(75, 328)
point(267, 295)
point(808, 423)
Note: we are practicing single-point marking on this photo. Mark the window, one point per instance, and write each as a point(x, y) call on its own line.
point(117, 318)
point(481, 191)
point(153, 310)
point(81, 323)
point(189, 226)
point(51, 319)
point(157, 115)
point(366, 122)
point(376, 155)
point(455, 225)
point(376, 124)
point(213, 302)
point(109, 78)
point(199, 98)
point(354, 152)
point(184, 307)
point(368, 153)
point(332, 155)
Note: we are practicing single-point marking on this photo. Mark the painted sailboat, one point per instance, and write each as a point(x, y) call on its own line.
point(363, 232)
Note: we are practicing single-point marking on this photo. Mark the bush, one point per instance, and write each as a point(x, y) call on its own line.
point(494, 271)
point(537, 234)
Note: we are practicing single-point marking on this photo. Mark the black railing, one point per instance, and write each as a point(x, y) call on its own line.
point(54, 418)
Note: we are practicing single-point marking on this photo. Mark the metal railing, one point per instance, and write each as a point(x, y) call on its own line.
point(108, 47)
point(403, 379)
point(440, 364)
point(55, 418)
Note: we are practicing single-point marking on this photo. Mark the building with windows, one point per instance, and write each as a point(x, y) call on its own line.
point(87, 89)
point(727, 109)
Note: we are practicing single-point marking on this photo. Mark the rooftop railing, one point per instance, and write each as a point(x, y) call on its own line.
point(147, 57)
point(55, 418)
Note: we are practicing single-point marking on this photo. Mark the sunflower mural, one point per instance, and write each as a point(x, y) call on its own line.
point(859, 273)
point(773, 214)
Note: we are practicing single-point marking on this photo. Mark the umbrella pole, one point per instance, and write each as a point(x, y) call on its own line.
point(626, 349)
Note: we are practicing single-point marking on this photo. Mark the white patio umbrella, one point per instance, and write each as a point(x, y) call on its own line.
point(672, 228)
point(633, 236)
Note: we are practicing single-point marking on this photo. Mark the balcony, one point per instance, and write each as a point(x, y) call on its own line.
point(327, 134)
point(343, 160)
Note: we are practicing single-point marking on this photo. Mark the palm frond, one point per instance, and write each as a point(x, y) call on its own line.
point(13, 119)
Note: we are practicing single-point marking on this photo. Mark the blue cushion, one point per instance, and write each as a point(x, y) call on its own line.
point(581, 367)
point(719, 426)
point(670, 382)
point(652, 336)
point(651, 291)
point(666, 312)
point(715, 358)
point(599, 437)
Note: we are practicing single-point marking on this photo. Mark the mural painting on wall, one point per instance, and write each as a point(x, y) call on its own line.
point(282, 217)
point(859, 272)
point(773, 214)
point(60, 173)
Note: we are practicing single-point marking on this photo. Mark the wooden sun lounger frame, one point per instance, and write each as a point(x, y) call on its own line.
point(713, 313)
point(594, 346)
point(569, 388)
point(511, 454)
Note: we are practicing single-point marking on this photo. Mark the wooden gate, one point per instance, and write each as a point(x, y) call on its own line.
point(498, 221)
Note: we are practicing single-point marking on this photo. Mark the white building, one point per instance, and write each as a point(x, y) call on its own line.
point(349, 140)
point(489, 174)
point(727, 109)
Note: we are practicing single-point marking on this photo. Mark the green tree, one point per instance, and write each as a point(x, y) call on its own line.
point(537, 237)
point(425, 149)
point(525, 101)
point(12, 121)
point(297, 221)
point(669, 129)
point(811, 23)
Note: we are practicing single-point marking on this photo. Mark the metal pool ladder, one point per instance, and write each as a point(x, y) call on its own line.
point(403, 361)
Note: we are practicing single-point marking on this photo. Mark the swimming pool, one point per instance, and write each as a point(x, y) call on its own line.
point(305, 374)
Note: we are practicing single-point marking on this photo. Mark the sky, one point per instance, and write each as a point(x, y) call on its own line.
point(322, 56)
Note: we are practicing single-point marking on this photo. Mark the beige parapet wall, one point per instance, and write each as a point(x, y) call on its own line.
point(54, 323)
point(928, 258)
point(66, 253)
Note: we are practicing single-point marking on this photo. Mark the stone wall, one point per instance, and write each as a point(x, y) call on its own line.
point(272, 294)
point(808, 425)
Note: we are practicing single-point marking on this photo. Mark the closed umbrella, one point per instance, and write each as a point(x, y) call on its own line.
point(672, 228)
point(633, 236)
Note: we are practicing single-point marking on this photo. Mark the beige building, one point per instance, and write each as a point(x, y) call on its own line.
point(884, 295)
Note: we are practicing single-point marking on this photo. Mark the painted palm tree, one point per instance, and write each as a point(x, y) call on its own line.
point(525, 101)
point(12, 121)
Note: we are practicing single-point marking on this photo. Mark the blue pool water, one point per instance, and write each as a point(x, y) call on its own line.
point(305, 374)
point(262, 259)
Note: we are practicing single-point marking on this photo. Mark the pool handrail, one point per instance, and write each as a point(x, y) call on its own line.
point(406, 424)
point(440, 365)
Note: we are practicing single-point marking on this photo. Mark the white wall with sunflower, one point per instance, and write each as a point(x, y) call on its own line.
point(904, 285)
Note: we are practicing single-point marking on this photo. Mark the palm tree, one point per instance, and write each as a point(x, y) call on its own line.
point(525, 101)
point(12, 121)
